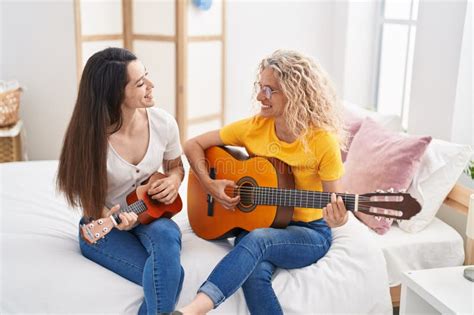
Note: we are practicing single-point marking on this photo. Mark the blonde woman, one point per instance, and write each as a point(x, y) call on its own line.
point(299, 123)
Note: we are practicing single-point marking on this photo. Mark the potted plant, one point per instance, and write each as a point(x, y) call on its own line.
point(470, 169)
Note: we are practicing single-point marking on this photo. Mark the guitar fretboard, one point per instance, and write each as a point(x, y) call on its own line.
point(297, 198)
point(137, 207)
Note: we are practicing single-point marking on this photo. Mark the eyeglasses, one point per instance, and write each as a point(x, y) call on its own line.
point(266, 90)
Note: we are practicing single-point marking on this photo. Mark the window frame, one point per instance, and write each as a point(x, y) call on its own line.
point(381, 22)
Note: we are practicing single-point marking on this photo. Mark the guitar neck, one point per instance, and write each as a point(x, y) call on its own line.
point(300, 198)
point(137, 207)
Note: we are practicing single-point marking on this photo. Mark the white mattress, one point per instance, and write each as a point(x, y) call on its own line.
point(42, 270)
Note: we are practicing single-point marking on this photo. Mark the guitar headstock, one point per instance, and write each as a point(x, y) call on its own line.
point(396, 205)
point(97, 229)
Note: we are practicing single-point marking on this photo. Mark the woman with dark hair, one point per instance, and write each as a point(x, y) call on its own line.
point(115, 140)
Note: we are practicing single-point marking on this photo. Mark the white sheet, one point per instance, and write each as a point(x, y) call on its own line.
point(43, 271)
point(438, 245)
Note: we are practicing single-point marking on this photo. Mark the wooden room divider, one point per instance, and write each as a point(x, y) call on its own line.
point(182, 47)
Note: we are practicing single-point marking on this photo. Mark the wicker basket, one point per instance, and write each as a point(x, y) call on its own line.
point(9, 107)
point(10, 143)
point(10, 149)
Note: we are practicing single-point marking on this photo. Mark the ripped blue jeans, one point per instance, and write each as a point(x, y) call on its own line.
point(257, 254)
point(148, 255)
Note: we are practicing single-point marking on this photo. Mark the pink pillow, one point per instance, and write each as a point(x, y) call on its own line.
point(352, 125)
point(381, 159)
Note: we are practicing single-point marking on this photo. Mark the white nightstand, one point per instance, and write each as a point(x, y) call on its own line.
point(437, 291)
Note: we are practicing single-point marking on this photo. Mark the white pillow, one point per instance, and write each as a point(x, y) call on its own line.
point(440, 168)
point(390, 122)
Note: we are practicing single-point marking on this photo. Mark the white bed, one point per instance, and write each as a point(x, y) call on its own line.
point(43, 271)
point(438, 245)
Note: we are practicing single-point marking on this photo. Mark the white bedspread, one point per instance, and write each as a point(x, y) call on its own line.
point(436, 246)
point(43, 271)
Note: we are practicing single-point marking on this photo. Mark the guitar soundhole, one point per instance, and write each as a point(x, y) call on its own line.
point(246, 192)
point(153, 201)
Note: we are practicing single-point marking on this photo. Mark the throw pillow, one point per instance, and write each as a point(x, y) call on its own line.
point(381, 159)
point(354, 115)
point(439, 171)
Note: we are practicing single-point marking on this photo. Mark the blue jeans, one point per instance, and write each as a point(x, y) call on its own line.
point(148, 255)
point(257, 254)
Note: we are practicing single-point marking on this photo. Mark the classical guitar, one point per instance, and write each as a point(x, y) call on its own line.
point(138, 201)
point(267, 196)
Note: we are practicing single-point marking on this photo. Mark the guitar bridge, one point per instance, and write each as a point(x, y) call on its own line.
point(210, 200)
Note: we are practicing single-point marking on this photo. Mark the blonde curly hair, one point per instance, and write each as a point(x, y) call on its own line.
point(312, 101)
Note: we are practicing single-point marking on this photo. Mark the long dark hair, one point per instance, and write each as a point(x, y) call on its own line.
point(82, 174)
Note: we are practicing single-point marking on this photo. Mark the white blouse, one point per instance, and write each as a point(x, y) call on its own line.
point(163, 144)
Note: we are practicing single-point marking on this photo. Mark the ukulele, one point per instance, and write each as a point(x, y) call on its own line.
point(267, 196)
point(138, 201)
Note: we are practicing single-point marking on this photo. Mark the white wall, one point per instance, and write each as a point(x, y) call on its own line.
point(435, 67)
point(355, 54)
point(463, 117)
point(1, 41)
point(442, 80)
point(39, 50)
point(256, 28)
point(339, 43)
point(361, 54)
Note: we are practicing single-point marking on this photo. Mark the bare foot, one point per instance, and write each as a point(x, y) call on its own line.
point(199, 306)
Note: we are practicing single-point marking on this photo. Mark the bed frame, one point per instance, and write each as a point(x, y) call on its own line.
point(458, 201)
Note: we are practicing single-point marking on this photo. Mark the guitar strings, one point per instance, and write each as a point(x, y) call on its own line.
point(271, 192)
point(254, 191)
point(292, 198)
point(263, 193)
point(137, 207)
point(323, 201)
point(284, 190)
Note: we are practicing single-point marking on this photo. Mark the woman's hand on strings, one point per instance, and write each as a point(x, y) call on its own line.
point(220, 189)
point(165, 189)
point(129, 219)
point(335, 212)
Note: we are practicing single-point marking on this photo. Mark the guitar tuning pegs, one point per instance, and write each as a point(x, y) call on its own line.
point(391, 190)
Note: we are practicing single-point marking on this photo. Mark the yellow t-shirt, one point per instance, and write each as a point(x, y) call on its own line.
point(321, 163)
